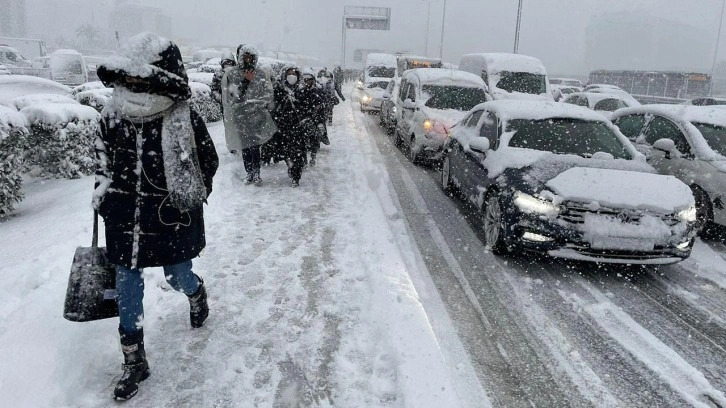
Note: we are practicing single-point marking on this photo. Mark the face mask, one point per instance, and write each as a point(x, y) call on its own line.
point(292, 79)
point(140, 104)
point(324, 81)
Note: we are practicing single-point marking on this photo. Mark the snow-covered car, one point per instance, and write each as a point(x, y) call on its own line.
point(387, 114)
point(706, 101)
point(590, 87)
point(561, 91)
point(11, 57)
point(603, 103)
point(68, 67)
point(430, 101)
point(372, 96)
point(4, 70)
point(41, 99)
point(570, 82)
point(616, 92)
point(688, 142)
point(562, 180)
point(88, 86)
point(14, 86)
point(510, 76)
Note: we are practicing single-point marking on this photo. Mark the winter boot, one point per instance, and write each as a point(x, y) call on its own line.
point(136, 368)
point(249, 178)
point(198, 308)
point(256, 178)
point(295, 183)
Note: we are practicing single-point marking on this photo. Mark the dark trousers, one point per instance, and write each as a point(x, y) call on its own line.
point(130, 291)
point(295, 152)
point(251, 159)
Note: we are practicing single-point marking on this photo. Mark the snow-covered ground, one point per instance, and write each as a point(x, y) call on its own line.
point(317, 295)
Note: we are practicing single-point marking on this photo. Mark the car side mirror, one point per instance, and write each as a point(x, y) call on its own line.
point(409, 104)
point(665, 145)
point(386, 95)
point(479, 144)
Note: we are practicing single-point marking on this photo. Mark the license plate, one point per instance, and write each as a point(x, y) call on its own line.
point(617, 243)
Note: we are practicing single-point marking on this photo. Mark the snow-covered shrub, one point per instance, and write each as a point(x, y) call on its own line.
point(202, 101)
point(88, 86)
point(95, 98)
point(13, 133)
point(61, 139)
point(203, 77)
point(36, 99)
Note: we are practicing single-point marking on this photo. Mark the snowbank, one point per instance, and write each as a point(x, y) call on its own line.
point(95, 98)
point(88, 86)
point(203, 103)
point(201, 77)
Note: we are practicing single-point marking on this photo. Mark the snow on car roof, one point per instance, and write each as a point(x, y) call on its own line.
point(682, 113)
point(66, 52)
point(502, 61)
point(27, 79)
point(381, 59)
point(59, 113)
point(595, 97)
point(35, 99)
point(441, 76)
point(539, 110)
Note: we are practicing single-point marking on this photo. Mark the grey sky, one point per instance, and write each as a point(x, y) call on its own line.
point(552, 30)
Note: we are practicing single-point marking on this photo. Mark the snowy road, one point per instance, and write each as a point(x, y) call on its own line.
point(543, 332)
point(364, 287)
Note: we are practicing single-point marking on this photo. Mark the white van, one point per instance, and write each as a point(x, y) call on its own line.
point(510, 76)
point(380, 67)
point(68, 67)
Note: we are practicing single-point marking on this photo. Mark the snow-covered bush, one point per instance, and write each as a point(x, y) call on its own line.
point(95, 98)
point(203, 102)
point(61, 139)
point(203, 77)
point(37, 99)
point(88, 86)
point(13, 133)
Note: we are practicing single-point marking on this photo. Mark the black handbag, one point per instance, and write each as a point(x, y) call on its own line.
point(91, 293)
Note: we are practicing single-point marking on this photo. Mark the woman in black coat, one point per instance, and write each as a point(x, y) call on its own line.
point(155, 164)
point(287, 116)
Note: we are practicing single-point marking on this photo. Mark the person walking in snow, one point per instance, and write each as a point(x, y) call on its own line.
point(288, 115)
point(338, 76)
point(327, 83)
point(311, 101)
point(216, 87)
point(247, 97)
point(155, 162)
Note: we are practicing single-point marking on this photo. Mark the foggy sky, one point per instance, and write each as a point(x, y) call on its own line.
point(552, 30)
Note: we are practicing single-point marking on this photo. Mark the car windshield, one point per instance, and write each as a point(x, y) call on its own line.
point(453, 97)
point(715, 136)
point(566, 136)
point(523, 82)
point(61, 64)
point(381, 72)
point(378, 84)
point(610, 105)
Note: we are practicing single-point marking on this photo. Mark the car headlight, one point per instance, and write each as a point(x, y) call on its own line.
point(366, 98)
point(393, 109)
point(428, 125)
point(531, 204)
point(688, 215)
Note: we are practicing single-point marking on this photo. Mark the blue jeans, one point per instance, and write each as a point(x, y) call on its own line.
point(130, 291)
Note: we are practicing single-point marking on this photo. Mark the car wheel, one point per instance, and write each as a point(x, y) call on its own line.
point(412, 154)
point(397, 139)
point(704, 212)
point(446, 184)
point(494, 225)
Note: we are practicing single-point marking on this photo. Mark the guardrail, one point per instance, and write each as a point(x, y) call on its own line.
point(651, 99)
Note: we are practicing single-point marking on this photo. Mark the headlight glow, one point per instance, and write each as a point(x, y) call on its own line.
point(688, 215)
point(531, 204)
point(393, 109)
point(428, 125)
point(366, 98)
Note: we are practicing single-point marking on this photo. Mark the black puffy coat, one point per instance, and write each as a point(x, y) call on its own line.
point(142, 228)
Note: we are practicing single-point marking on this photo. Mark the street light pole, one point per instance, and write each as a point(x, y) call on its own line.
point(516, 31)
point(715, 51)
point(441, 45)
point(428, 23)
point(342, 63)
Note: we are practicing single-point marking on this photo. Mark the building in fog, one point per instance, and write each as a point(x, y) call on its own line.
point(628, 41)
point(12, 18)
point(131, 19)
